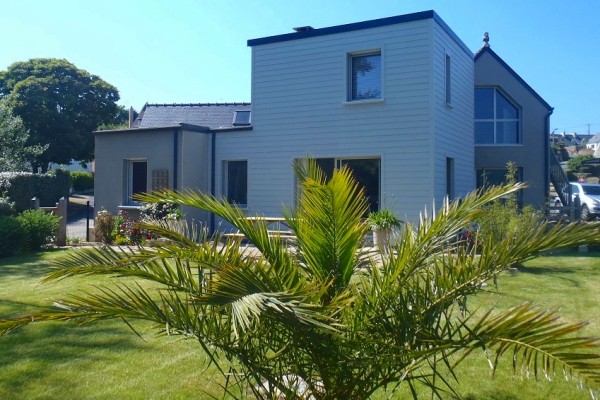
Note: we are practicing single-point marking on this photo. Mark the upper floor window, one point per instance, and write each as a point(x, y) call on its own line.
point(497, 119)
point(448, 80)
point(364, 76)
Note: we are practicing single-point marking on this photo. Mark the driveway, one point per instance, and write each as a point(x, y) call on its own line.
point(77, 213)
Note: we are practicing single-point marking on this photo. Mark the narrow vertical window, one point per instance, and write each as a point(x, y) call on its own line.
point(364, 76)
point(450, 177)
point(136, 179)
point(448, 80)
point(236, 182)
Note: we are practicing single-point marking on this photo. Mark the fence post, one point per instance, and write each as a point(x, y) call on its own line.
point(61, 207)
point(35, 203)
point(87, 221)
point(577, 208)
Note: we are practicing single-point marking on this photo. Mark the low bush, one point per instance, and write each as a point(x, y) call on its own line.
point(504, 218)
point(7, 207)
point(104, 227)
point(13, 235)
point(161, 211)
point(40, 226)
point(82, 181)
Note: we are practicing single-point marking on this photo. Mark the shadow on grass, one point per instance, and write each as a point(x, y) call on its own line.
point(31, 265)
point(38, 351)
point(495, 395)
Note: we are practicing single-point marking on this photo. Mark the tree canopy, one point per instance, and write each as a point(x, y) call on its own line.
point(60, 105)
point(14, 151)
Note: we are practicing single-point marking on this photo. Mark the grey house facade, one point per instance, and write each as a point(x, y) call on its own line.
point(392, 99)
point(511, 124)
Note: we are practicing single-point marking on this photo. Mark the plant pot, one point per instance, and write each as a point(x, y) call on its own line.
point(381, 237)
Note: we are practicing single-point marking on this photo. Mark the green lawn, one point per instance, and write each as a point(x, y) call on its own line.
point(106, 360)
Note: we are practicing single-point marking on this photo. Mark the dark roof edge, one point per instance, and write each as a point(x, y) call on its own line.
point(233, 129)
point(514, 74)
point(375, 23)
point(189, 127)
point(195, 104)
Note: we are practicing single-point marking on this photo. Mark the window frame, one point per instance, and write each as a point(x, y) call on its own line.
point(226, 181)
point(494, 120)
point(128, 180)
point(239, 113)
point(350, 56)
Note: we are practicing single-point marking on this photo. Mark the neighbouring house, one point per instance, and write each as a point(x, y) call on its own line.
point(594, 142)
point(393, 99)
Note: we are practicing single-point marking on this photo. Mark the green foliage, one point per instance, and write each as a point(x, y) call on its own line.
point(12, 236)
point(7, 207)
point(325, 314)
point(574, 164)
point(21, 187)
point(504, 218)
point(14, 152)
point(104, 227)
point(41, 227)
point(82, 181)
point(383, 219)
point(60, 105)
point(161, 211)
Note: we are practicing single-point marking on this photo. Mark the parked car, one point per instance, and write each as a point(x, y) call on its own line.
point(589, 196)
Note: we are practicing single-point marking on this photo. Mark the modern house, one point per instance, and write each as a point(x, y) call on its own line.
point(393, 99)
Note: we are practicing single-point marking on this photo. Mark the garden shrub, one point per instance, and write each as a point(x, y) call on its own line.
point(41, 228)
point(504, 218)
point(7, 207)
point(82, 181)
point(104, 227)
point(13, 235)
point(161, 211)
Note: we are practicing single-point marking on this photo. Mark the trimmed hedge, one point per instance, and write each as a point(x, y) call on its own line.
point(14, 236)
point(82, 181)
point(21, 187)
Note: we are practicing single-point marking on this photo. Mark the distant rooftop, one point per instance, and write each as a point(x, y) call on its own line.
point(211, 115)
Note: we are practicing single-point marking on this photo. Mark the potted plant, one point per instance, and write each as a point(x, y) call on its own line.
point(382, 222)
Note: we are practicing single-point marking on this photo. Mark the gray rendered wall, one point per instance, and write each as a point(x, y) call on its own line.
point(530, 155)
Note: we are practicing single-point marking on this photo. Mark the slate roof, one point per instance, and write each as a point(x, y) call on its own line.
point(211, 115)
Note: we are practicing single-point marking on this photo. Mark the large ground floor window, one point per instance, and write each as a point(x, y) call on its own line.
point(487, 177)
point(235, 182)
point(367, 171)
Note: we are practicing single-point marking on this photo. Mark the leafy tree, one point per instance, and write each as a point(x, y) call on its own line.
point(325, 318)
point(120, 121)
point(60, 105)
point(575, 163)
point(14, 152)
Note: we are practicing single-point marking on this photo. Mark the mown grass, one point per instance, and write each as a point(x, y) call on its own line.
point(106, 360)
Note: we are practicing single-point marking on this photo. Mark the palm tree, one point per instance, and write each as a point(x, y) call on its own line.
point(323, 318)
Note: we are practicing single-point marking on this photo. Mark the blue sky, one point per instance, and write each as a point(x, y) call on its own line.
point(195, 51)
